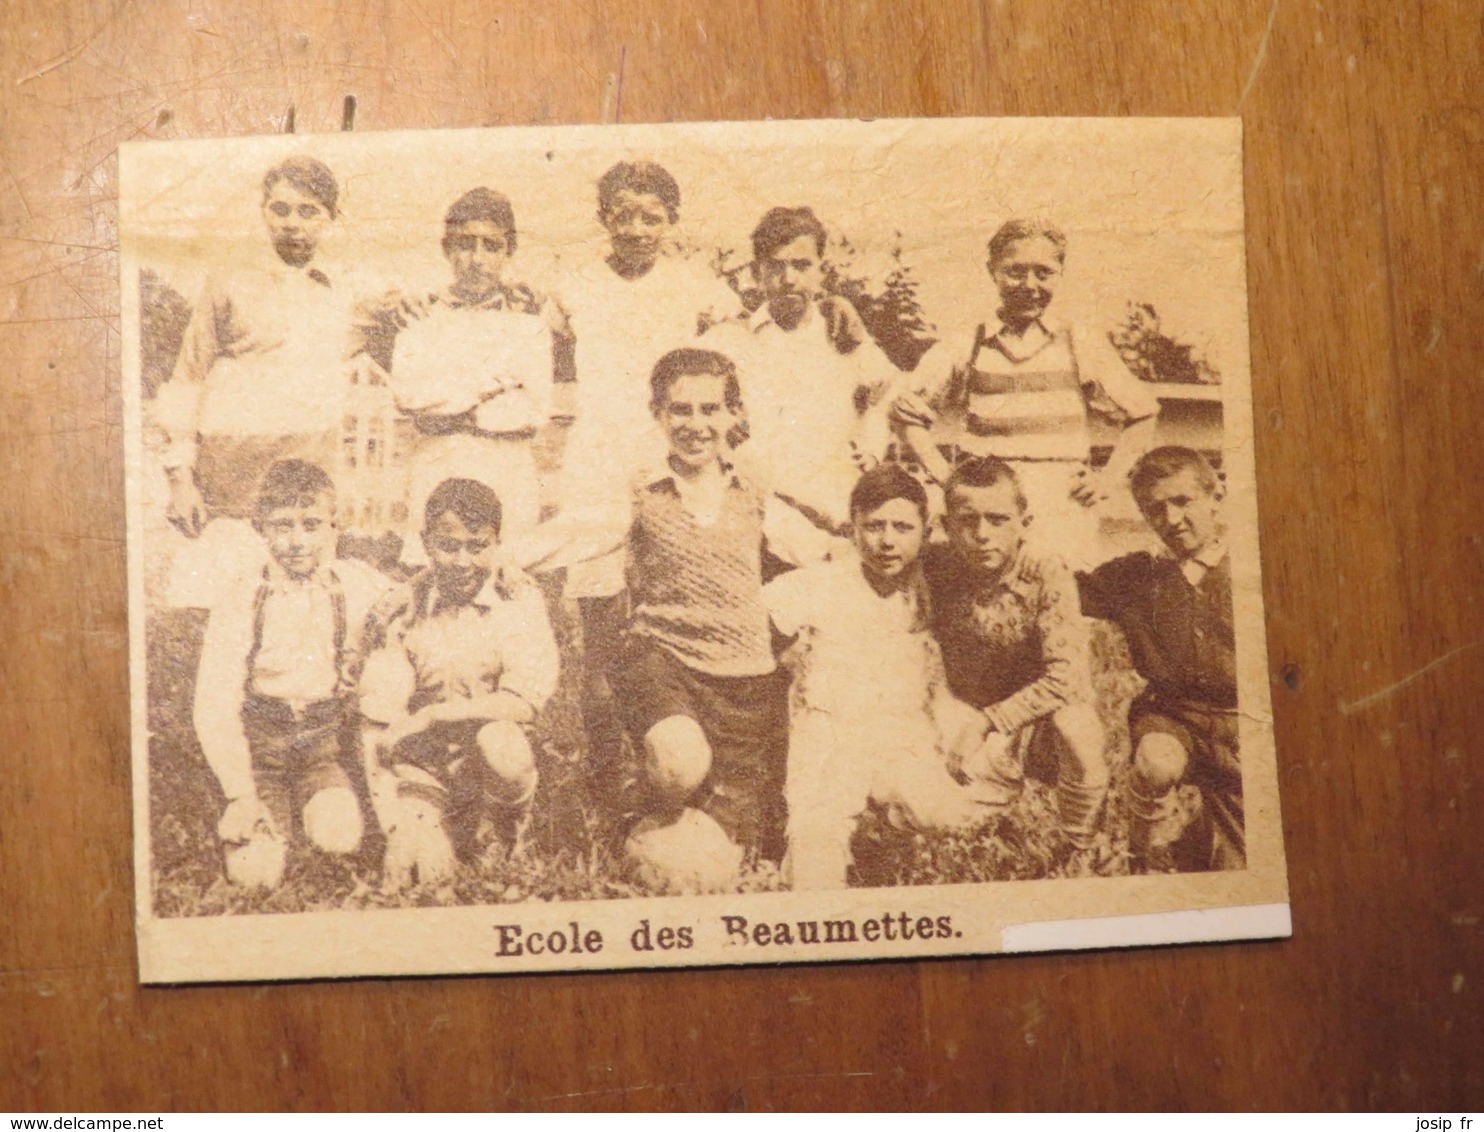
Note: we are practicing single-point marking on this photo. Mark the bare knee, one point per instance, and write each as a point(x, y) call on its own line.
point(507, 752)
point(332, 820)
point(1159, 764)
point(678, 756)
point(257, 863)
point(1083, 761)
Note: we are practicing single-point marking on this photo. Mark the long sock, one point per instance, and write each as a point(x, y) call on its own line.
point(1080, 804)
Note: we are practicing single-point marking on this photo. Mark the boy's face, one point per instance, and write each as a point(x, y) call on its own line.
point(638, 225)
point(1184, 514)
point(696, 418)
point(985, 525)
point(461, 556)
point(889, 538)
point(1026, 274)
point(477, 251)
point(300, 537)
point(296, 222)
point(792, 276)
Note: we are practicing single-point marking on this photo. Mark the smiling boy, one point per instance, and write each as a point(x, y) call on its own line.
point(646, 297)
point(1021, 391)
point(457, 672)
point(273, 708)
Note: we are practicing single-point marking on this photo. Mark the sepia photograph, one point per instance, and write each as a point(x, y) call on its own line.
point(635, 546)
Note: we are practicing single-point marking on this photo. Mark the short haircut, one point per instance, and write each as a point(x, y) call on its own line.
point(985, 471)
point(691, 362)
point(1161, 463)
point(293, 483)
point(780, 226)
point(310, 176)
point(482, 204)
point(473, 503)
point(884, 483)
point(1027, 228)
point(639, 177)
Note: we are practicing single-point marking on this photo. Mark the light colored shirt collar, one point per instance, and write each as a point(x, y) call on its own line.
point(1197, 566)
point(657, 472)
point(280, 579)
point(995, 326)
point(762, 318)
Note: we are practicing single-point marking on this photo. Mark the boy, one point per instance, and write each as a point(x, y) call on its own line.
point(1176, 612)
point(272, 702)
point(871, 714)
point(481, 369)
point(697, 683)
point(1021, 391)
point(815, 387)
point(458, 670)
point(1015, 645)
point(646, 297)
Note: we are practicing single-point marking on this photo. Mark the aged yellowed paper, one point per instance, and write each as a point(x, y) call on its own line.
point(675, 545)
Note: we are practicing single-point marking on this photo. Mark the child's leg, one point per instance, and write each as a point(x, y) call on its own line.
point(1159, 763)
point(823, 801)
point(603, 622)
point(508, 755)
point(414, 805)
point(332, 814)
point(677, 759)
point(1082, 774)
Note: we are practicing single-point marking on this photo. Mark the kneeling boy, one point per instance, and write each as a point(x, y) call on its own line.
point(458, 671)
point(1015, 645)
point(1175, 609)
point(272, 701)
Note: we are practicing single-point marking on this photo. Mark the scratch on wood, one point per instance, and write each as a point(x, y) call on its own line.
point(74, 51)
point(1261, 57)
point(1391, 689)
point(623, 53)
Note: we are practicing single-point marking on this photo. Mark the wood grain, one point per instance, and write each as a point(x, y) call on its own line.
point(1366, 259)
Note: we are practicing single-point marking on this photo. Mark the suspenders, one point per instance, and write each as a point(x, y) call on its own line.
point(338, 615)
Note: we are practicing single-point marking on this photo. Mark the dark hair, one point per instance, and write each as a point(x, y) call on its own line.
point(985, 471)
point(640, 177)
point(481, 204)
point(292, 483)
point(691, 362)
point(1161, 463)
point(1027, 228)
point(780, 226)
point(473, 503)
point(884, 483)
point(309, 175)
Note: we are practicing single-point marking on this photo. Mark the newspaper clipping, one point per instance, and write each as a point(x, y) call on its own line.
point(590, 547)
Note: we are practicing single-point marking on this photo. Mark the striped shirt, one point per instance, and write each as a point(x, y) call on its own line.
point(1028, 400)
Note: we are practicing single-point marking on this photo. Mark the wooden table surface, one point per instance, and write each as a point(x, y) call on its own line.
point(1365, 132)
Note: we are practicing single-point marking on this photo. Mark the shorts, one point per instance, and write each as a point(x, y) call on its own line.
point(295, 755)
point(744, 719)
point(1209, 739)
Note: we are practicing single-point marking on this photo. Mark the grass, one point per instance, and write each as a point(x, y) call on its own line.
point(562, 854)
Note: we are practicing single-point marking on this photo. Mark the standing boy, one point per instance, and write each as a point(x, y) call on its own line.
point(871, 716)
point(815, 382)
point(478, 368)
point(1175, 609)
point(457, 673)
point(273, 709)
point(1020, 390)
point(1015, 644)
